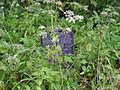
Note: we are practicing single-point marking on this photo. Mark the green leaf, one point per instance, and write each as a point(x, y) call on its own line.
point(93, 2)
point(60, 9)
point(68, 59)
point(2, 66)
point(59, 59)
point(84, 68)
point(109, 67)
point(39, 81)
point(89, 25)
point(53, 52)
point(53, 73)
point(83, 62)
point(4, 45)
point(82, 73)
point(90, 74)
point(27, 87)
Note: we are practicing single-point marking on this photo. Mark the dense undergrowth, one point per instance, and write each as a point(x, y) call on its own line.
point(95, 64)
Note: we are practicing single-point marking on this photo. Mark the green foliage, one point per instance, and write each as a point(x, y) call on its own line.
point(26, 65)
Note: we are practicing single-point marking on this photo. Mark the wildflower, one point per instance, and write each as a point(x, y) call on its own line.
point(22, 0)
point(98, 25)
point(68, 13)
point(40, 9)
point(41, 27)
point(59, 3)
point(91, 18)
point(104, 13)
point(118, 7)
point(115, 13)
point(77, 17)
point(13, 2)
point(36, 15)
point(55, 39)
point(37, 3)
point(17, 4)
point(2, 7)
point(68, 29)
point(9, 59)
point(43, 34)
point(67, 19)
point(112, 20)
point(71, 19)
point(47, 1)
point(85, 9)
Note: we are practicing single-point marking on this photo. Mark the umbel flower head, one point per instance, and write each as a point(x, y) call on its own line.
point(104, 13)
point(71, 17)
point(68, 13)
point(41, 27)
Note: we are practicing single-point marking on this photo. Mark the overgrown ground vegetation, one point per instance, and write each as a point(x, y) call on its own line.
point(95, 64)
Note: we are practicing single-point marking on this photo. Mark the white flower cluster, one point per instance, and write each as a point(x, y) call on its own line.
point(43, 34)
point(18, 46)
point(47, 11)
point(41, 27)
point(2, 7)
point(112, 21)
point(22, 0)
point(109, 11)
point(77, 17)
point(71, 17)
point(9, 59)
point(69, 13)
point(115, 13)
point(104, 13)
point(55, 39)
point(68, 29)
point(48, 1)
